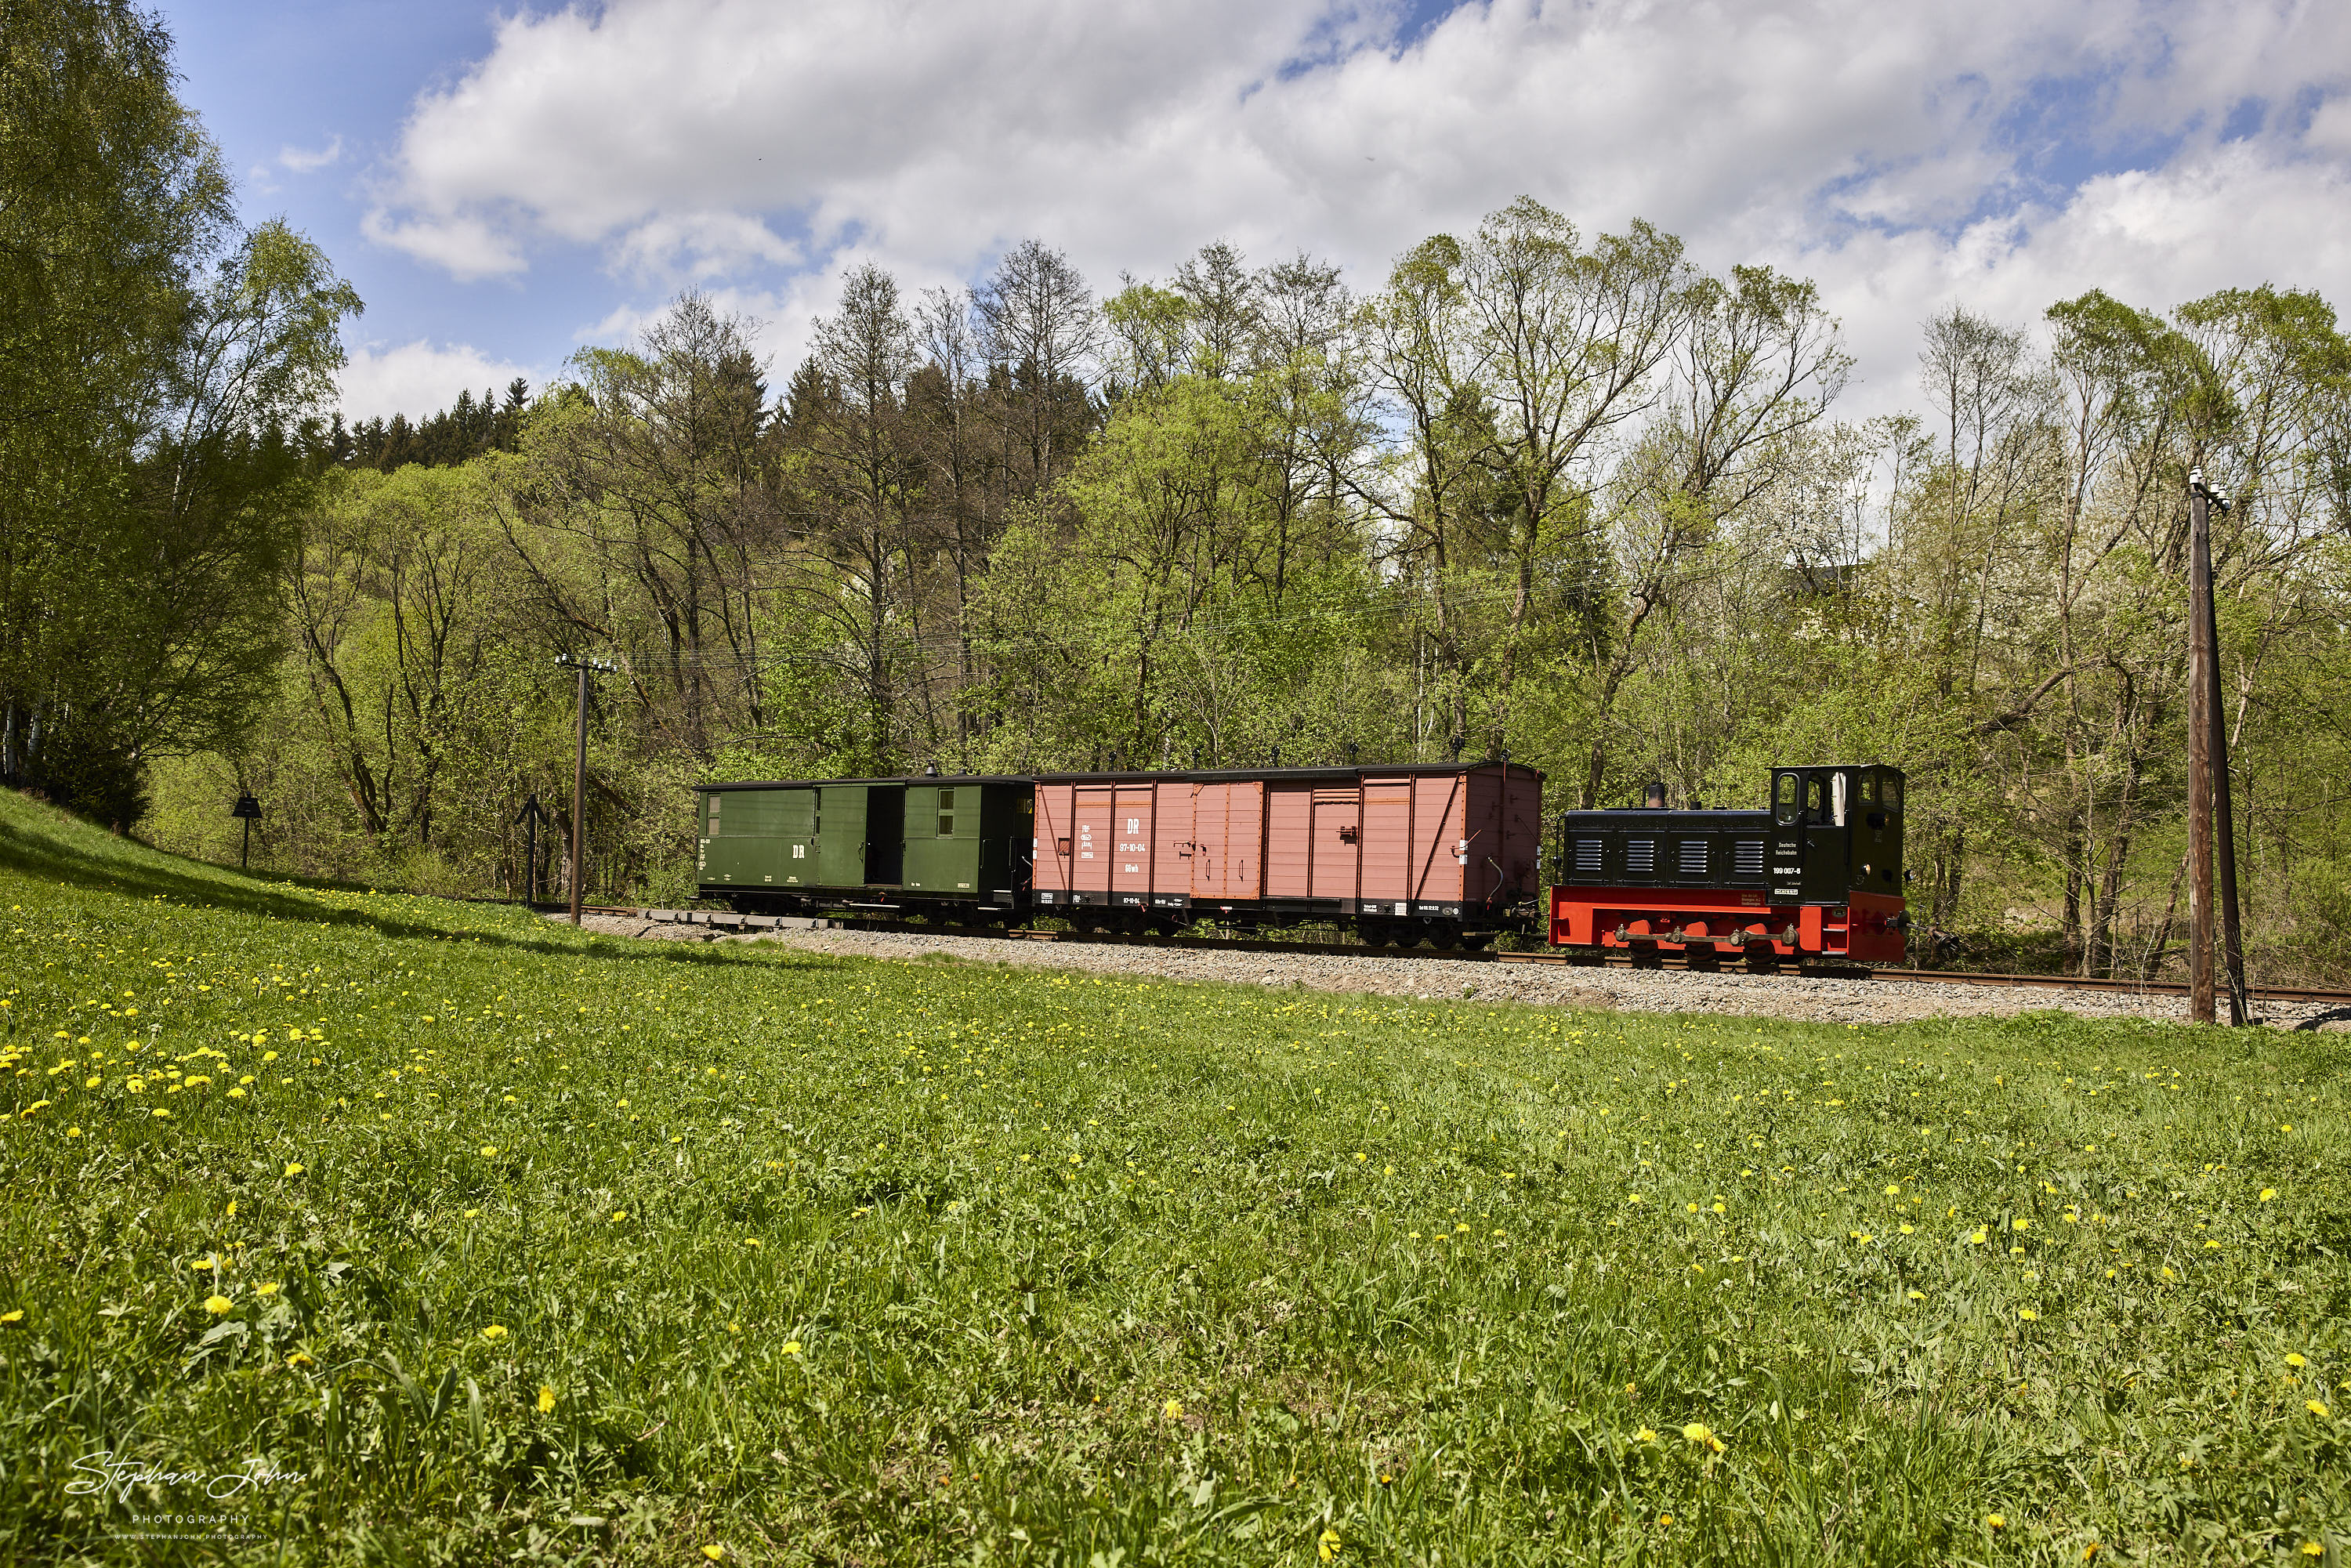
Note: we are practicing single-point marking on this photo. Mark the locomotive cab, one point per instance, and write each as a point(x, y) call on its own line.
point(1836, 831)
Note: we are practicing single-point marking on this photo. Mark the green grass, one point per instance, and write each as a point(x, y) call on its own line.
point(836, 1261)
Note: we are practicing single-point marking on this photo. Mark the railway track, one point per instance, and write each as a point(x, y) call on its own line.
point(1275, 947)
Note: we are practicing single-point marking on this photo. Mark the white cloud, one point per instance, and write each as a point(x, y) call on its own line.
point(303, 161)
point(2004, 151)
point(421, 378)
point(468, 246)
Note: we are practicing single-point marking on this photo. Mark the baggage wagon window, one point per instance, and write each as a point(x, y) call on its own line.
point(947, 813)
point(714, 816)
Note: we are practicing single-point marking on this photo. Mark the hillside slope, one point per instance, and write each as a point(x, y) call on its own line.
point(459, 1236)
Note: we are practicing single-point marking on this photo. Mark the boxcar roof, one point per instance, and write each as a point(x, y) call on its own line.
point(1357, 770)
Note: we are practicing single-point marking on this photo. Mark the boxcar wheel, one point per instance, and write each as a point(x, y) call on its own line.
point(1444, 938)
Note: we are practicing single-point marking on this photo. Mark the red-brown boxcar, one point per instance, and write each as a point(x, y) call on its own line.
point(1399, 851)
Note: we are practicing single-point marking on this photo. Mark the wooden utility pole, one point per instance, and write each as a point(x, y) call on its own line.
point(2201, 504)
point(2201, 721)
point(580, 802)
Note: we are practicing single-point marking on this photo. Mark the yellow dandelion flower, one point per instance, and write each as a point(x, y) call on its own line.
point(1703, 1435)
point(495, 1332)
point(1326, 1546)
point(270, 1289)
point(2028, 1314)
point(217, 1304)
point(2295, 1358)
point(489, 1151)
point(546, 1399)
point(1996, 1522)
point(791, 1347)
point(715, 1551)
point(295, 1167)
point(299, 1359)
point(14, 1316)
point(2314, 1407)
point(1172, 1409)
point(2267, 1194)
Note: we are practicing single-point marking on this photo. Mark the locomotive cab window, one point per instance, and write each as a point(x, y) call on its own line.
point(1787, 794)
point(1815, 806)
point(1869, 789)
point(1893, 793)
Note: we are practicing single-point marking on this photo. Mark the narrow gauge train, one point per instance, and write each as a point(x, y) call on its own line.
point(1446, 855)
point(1403, 854)
point(1818, 874)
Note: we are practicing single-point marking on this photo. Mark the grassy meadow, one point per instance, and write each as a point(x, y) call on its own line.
point(356, 1228)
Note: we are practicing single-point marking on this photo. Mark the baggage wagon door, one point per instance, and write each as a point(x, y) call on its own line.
point(841, 835)
point(1089, 868)
point(1387, 842)
point(1132, 808)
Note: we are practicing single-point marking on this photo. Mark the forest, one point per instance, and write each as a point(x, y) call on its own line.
point(1572, 497)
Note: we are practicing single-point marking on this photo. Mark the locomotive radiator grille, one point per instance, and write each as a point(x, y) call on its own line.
point(1641, 857)
point(1693, 857)
point(1747, 857)
point(1588, 857)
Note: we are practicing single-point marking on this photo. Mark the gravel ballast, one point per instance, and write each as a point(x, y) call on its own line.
point(1784, 996)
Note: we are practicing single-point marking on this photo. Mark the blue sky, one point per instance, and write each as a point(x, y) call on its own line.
point(505, 186)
